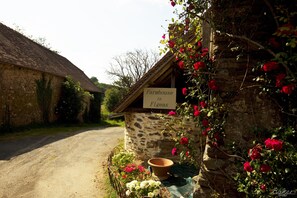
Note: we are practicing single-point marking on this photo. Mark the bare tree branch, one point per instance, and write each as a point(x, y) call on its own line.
point(131, 66)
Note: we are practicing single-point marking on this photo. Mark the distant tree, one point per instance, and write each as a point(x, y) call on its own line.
point(112, 98)
point(95, 81)
point(131, 66)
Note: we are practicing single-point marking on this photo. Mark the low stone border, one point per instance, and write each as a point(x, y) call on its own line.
point(114, 181)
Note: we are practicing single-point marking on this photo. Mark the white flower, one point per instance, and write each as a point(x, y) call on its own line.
point(128, 192)
point(144, 184)
point(156, 192)
point(150, 194)
point(132, 185)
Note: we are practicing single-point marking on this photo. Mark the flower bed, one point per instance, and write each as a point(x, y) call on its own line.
point(130, 179)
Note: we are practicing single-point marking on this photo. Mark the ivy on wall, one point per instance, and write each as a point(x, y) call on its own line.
point(44, 94)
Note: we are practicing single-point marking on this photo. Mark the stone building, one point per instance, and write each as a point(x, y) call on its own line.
point(145, 130)
point(22, 62)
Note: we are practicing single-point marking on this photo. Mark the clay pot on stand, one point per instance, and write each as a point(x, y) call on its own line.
point(160, 167)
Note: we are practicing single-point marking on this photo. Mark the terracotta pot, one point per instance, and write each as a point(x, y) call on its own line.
point(161, 167)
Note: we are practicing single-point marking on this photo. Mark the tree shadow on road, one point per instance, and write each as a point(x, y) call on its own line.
point(10, 148)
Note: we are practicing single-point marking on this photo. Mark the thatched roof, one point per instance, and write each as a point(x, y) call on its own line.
point(16, 49)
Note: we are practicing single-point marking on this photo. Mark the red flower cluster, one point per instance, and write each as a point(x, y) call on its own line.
point(184, 141)
point(181, 64)
point(174, 151)
point(288, 89)
point(213, 85)
point(196, 111)
point(205, 132)
point(204, 52)
point(269, 66)
point(172, 113)
point(202, 104)
point(274, 144)
point(263, 187)
point(188, 153)
point(184, 91)
point(130, 168)
point(247, 167)
point(133, 167)
point(172, 3)
point(254, 153)
point(171, 44)
point(198, 65)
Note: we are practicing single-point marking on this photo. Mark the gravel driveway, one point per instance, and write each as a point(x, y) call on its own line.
point(57, 166)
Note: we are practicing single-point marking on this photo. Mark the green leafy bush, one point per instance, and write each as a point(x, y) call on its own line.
point(123, 158)
point(71, 101)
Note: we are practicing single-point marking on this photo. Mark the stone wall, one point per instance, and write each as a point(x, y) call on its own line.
point(18, 101)
point(146, 134)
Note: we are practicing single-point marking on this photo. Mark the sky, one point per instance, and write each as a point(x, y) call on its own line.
point(89, 33)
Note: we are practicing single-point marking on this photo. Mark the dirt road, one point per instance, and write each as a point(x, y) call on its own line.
point(57, 166)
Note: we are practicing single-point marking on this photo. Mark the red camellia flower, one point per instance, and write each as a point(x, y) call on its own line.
point(199, 44)
point(171, 44)
point(181, 50)
point(141, 168)
point(269, 66)
point(129, 168)
point(288, 89)
point(174, 151)
point(212, 85)
point(263, 187)
point(202, 104)
point(199, 65)
point(254, 153)
point(181, 64)
point(172, 3)
point(188, 153)
point(274, 144)
point(247, 167)
point(205, 123)
point(172, 113)
point(196, 113)
point(205, 132)
point(204, 52)
point(184, 91)
point(184, 140)
point(264, 168)
point(196, 108)
point(279, 79)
